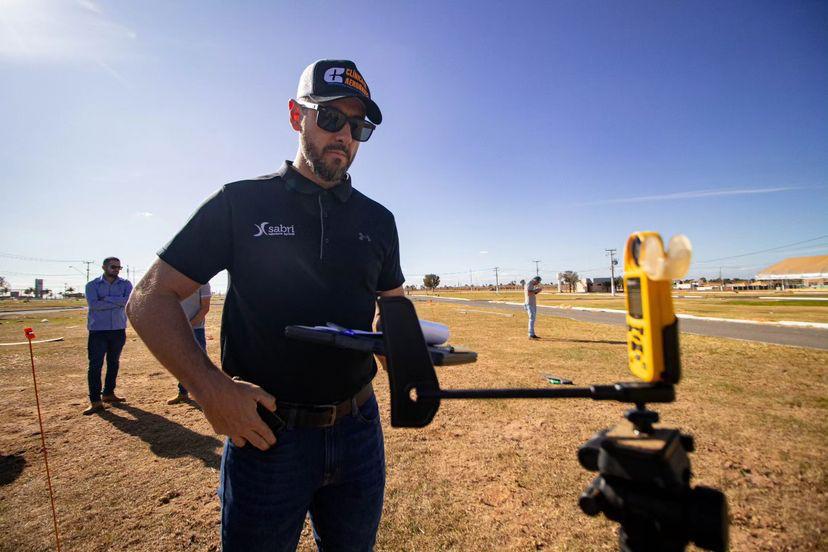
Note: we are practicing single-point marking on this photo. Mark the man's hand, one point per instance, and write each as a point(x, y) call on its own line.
point(230, 407)
point(196, 321)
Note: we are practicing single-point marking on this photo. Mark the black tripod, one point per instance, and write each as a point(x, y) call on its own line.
point(643, 483)
point(643, 479)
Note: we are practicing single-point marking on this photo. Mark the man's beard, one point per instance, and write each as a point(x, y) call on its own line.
point(327, 171)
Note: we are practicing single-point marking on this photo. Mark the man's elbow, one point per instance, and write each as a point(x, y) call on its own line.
point(135, 304)
point(132, 310)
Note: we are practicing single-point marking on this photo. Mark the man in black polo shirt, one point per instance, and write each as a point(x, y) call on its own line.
point(301, 246)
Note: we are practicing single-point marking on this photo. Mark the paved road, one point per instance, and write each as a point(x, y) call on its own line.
point(813, 338)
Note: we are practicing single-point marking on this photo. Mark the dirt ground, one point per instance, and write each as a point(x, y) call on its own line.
point(485, 475)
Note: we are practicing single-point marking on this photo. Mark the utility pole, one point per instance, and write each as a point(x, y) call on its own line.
point(721, 282)
point(87, 263)
point(537, 272)
point(471, 281)
point(612, 269)
point(497, 282)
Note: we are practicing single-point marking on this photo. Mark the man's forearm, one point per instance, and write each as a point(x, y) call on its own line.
point(158, 319)
point(100, 305)
point(200, 316)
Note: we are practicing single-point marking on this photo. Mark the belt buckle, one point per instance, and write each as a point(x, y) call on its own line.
point(323, 408)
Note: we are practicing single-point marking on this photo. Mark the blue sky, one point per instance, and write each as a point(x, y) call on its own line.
point(512, 131)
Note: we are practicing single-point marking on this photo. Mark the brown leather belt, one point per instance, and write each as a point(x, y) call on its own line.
point(321, 415)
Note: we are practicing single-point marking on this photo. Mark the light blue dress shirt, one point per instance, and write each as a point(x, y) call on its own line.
point(107, 304)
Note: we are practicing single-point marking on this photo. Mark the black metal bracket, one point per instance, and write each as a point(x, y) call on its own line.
point(416, 392)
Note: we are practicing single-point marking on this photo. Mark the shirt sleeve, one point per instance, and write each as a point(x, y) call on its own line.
point(205, 291)
point(203, 248)
point(121, 300)
point(94, 302)
point(391, 276)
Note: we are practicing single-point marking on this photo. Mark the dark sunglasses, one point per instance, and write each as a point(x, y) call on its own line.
point(115, 266)
point(332, 120)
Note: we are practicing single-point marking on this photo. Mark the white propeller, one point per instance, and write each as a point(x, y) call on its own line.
point(670, 265)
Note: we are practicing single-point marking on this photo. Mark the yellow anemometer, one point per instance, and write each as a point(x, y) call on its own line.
point(652, 326)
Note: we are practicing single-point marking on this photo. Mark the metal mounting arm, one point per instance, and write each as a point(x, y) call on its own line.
point(416, 393)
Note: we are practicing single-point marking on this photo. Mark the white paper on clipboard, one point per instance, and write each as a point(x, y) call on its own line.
point(433, 332)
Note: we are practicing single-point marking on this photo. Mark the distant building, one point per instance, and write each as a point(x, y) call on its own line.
point(797, 272)
point(600, 285)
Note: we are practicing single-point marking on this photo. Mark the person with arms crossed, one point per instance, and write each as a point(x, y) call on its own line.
point(530, 303)
point(195, 308)
point(106, 321)
point(301, 246)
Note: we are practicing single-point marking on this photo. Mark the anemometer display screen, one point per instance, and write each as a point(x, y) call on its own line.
point(634, 296)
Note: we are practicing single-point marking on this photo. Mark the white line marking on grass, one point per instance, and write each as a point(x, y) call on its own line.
point(804, 324)
point(488, 312)
point(794, 298)
point(818, 325)
point(26, 342)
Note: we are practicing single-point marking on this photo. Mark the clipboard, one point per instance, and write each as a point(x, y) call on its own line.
point(372, 342)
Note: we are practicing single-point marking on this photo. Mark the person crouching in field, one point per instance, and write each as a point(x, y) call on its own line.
point(195, 307)
point(107, 298)
point(530, 291)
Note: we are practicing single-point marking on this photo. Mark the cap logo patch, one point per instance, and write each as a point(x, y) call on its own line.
point(348, 77)
point(334, 75)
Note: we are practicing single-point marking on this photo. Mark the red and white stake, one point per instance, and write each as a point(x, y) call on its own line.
point(30, 336)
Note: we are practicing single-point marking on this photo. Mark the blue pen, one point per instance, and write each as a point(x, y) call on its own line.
point(340, 329)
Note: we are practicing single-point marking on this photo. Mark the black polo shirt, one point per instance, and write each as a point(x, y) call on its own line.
point(295, 254)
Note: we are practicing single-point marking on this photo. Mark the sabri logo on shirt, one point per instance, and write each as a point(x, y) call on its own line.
point(267, 229)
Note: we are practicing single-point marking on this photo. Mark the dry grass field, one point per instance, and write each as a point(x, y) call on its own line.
point(11, 305)
point(752, 305)
point(485, 475)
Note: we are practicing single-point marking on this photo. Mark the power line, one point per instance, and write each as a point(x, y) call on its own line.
point(763, 250)
point(39, 259)
point(32, 273)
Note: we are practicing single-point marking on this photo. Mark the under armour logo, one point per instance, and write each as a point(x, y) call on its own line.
point(364, 237)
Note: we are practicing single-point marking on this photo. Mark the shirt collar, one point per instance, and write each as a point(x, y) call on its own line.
point(295, 182)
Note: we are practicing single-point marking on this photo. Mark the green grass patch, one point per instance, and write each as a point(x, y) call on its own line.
point(781, 303)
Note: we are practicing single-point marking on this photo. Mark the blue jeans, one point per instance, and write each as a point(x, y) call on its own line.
point(201, 339)
point(337, 474)
point(533, 314)
point(103, 343)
